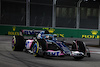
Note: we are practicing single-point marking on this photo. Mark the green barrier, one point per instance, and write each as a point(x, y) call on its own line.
point(13, 30)
point(71, 33)
point(78, 33)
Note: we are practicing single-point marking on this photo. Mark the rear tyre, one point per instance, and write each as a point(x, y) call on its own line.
point(18, 43)
point(88, 54)
point(81, 46)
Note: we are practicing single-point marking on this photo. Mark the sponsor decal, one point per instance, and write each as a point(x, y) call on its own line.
point(13, 32)
point(94, 32)
point(60, 35)
point(55, 53)
point(14, 28)
point(28, 32)
point(52, 30)
point(92, 35)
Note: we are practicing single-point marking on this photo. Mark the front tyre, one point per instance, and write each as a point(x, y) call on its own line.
point(34, 51)
point(39, 47)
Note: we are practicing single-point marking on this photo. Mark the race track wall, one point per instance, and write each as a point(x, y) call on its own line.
point(69, 33)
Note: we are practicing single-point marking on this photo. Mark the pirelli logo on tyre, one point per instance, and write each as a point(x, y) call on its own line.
point(13, 32)
point(94, 34)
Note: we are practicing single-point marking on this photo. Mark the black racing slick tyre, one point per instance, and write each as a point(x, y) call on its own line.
point(81, 46)
point(42, 43)
point(39, 47)
point(18, 43)
point(88, 54)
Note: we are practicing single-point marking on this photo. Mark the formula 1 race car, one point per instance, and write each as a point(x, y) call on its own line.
point(45, 44)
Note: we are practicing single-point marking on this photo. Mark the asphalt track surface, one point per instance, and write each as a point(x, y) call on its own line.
point(9, 58)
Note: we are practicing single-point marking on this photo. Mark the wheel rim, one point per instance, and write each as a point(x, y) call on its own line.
point(34, 51)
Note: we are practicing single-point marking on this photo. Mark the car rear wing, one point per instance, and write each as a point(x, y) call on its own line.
point(29, 32)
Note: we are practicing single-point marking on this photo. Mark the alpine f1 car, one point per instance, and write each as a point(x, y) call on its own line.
point(45, 44)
